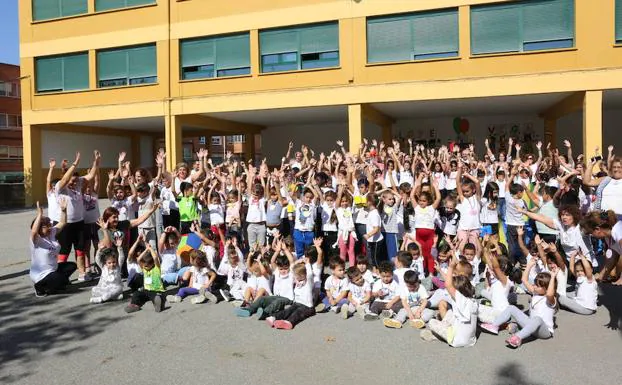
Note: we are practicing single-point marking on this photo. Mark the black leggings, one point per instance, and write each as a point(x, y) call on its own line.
point(295, 314)
point(56, 280)
point(72, 234)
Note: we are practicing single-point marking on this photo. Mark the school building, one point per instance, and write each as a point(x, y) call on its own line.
point(127, 75)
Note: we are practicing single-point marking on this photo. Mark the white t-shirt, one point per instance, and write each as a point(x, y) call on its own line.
point(611, 196)
point(469, 213)
point(91, 208)
point(178, 184)
point(406, 177)
point(168, 261)
point(303, 291)
point(413, 298)
point(75, 204)
point(168, 201)
point(317, 275)
point(256, 210)
point(464, 321)
point(512, 216)
point(144, 206)
point(450, 183)
point(216, 214)
point(540, 308)
point(417, 266)
point(571, 239)
point(373, 220)
point(337, 285)
point(235, 276)
point(258, 282)
point(283, 285)
point(43, 254)
point(613, 242)
point(359, 292)
point(441, 179)
point(124, 207)
point(368, 276)
point(305, 216)
point(587, 293)
point(487, 215)
point(424, 217)
point(499, 295)
point(360, 214)
point(53, 208)
point(199, 277)
point(501, 184)
point(386, 291)
point(345, 219)
point(327, 213)
point(387, 179)
point(398, 276)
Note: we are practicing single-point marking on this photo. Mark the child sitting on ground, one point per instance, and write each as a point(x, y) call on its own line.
point(359, 296)
point(302, 306)
point(386, 292)
point(584, 300)
point(258, 281)
point(199, 277)
point(110, 286)
point(153, 288)
point(414, 299)
point(336, 286)
point(171, 263)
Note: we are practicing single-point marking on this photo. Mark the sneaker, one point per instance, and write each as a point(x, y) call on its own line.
point(158, 304)
point(417, 323)
point(392, 323)
point(270, 321)
point(283, 324)
point(210, 296)
point(490, 328)
point(226, 295)
point(427, 335)
point(86, 277)
point(514, 341)
point(96, 300)
point(242, 312)
point(132, 308)
point(173, 299)
point(320, 307)
point(344, 311)
point(512, 328)
point(120, 297)
point(387, 313)
point(334, 309)
point(261, 315)
point(361, 312)
point(369, 316)
point(198, 299)
point(40, 293)
point(237, 303)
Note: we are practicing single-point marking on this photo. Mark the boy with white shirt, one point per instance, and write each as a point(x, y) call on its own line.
point(513, 218)
point(414, 299)
point(336, 286)
point(386, 292)
point(359, 296)
point(302, 306)
point(403, 260)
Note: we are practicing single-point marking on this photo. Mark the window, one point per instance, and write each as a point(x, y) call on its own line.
point(16, 152)
point(104, 5)
point(523, 26)
point(10, 89)
point(618, 21)
point(127, 66)
point(216, 140)
point(10, 121)
point(3, 121)
point(211, 57)
point(291, 49)
point(52, 9)
point(62, 73)
point(236, 138)
point(416, 36)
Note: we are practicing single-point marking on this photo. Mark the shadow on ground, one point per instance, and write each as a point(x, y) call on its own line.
point(513, 374)
point(33, 328)
point(611, 298)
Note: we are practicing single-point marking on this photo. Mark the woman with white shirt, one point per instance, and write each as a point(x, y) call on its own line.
point(608, 188)
point(606, 226)
point(48, 275)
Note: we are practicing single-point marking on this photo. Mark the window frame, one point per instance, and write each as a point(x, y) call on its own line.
point(299, 64)
point(214, 72)
point(526, 46)
point(63, 56)
point(127, 81)
point(60, 11)
point(146, 3)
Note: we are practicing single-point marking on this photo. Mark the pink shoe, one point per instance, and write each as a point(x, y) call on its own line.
point(514, 341)
point(283, 324)
point(490, 328)
point(270, 321)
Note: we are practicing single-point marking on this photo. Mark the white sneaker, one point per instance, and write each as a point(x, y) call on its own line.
point(237, 303)
point(173, 299)
point(198, 299)
point(427, 335)
point(226, 295)
point(86, 277)
point(120, 297)
point(210, 297)
point(387, 313)
point(96, 300)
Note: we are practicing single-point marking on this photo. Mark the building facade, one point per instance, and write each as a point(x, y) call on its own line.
point(11, 156)
point(124, 74)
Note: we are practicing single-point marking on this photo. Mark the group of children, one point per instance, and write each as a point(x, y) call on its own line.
point(436, 238)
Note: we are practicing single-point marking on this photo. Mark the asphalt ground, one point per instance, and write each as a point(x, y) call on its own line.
point(63, 339)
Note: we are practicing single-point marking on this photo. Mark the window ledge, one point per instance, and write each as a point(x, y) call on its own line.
point(95, 89)
point(93, 13)
point(412, 61)
point(212, 79)
point(477, 56)
point(617, 45)
point(299, 71)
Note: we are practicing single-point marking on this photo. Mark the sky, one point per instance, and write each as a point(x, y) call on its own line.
point(9, 33)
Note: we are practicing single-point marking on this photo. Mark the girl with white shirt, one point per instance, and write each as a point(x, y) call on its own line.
point(346, 234)
point(48, 275)
point(328, 215)
point(498, 287)
point(542, 308)
point(451, 177)
point(469, 198)
point(422, 221)
point(584, 299)
point(439, 176)
point(376, 250)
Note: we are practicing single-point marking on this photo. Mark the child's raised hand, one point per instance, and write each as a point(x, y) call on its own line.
point(551, 247)
point(141, 237)
point(118, 241)
point(317, 242)
point(62, 203)
point(52, 163)
point(111, 174)
point(39, 209)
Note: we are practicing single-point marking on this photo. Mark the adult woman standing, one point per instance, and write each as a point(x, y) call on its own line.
point(48, 275)
point(608, 188)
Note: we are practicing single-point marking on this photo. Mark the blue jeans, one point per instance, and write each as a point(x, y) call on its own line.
point(302, 239)
point(391, 242)
point(172, 278)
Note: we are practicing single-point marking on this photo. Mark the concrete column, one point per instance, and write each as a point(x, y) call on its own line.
point(249, 146)
point(464, 32)
point(592, 122)
point(173, 141)
point(34, 181)
point(355, 127)
point(550, 131)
